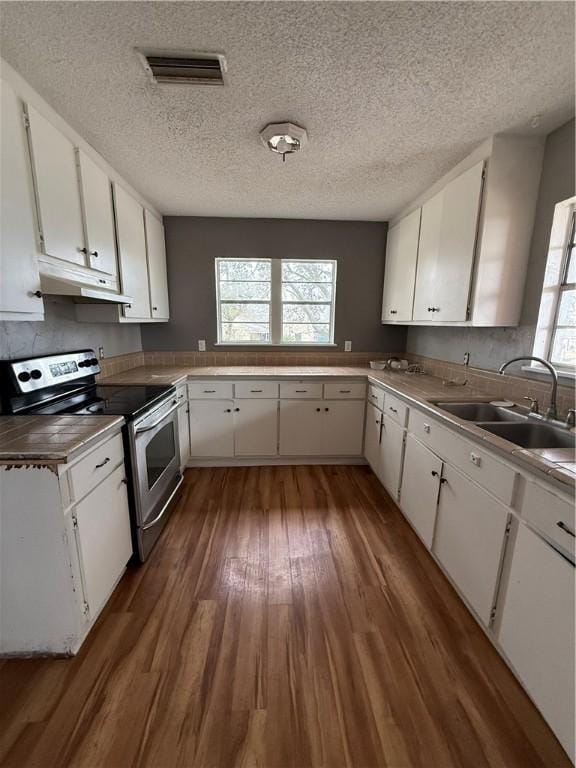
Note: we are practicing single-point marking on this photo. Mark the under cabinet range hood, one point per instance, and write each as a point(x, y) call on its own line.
point(80, 292)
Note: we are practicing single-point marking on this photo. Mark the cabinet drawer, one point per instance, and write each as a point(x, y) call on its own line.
point(474, 461)
point(300, 389)
point(552, 515)
point(376, 396)
point(396, 409)
point(254, 389)
point(343, 390)
point(210, 390)
point(88, 472)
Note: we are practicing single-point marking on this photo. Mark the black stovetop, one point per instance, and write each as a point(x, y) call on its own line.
point(108, 400)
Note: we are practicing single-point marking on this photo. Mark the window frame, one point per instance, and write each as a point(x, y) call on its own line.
point(547, 325)
point(276, 304)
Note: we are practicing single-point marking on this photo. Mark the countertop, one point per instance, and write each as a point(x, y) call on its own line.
point(39, 440)
point(555, 465)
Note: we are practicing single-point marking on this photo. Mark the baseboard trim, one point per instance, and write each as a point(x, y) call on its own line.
point(275, 461)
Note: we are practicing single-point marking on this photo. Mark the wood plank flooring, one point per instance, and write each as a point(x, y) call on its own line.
point(289, 617)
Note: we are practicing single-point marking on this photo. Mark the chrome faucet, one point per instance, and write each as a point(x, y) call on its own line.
point(552, 412)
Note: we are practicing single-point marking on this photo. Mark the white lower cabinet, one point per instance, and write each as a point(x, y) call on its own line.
point(372, 431)
point(469, 539)
point(321, 427)
point(103, 534)
point(228, 428)
point(391, 455)
point(420, 483)
point(301, 431)
point(343, 427)
point(255, 427)
point(537, 629)
point(211, 428)
point(184, 434)
point(65, 544)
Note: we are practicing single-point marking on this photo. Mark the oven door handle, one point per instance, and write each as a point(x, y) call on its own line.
point(159, 516)
point(160, 420)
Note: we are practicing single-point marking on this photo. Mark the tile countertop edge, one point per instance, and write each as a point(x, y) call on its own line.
point(551, 472)
point(64, 455)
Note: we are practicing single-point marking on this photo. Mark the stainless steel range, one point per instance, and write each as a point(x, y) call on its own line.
point(65, 383)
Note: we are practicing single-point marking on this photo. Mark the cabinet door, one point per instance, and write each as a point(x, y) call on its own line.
point(537, 630)
point(447, 248)
point(58, 196)
point(400, 269)
point(469, 539)
point(420, 484)
point(301, 424)
point(157, 266)
point(105, 543)
point(343, 428)
point(391, 456)
point(184, 434)
point(372, 437)
point(132, 254)
point(211, 428)
point(255, 427)
point(18, 266)
point(98, 215)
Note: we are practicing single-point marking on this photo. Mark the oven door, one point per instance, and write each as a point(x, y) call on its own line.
point(156, 468)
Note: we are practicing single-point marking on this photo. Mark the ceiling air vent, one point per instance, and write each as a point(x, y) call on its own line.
point(199, 68)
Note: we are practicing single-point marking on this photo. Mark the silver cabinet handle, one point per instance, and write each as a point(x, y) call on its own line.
point(565, 528)
point(254, 391)
point(394, 410)
point(102, 463)
point(208, 391)
point(345, 391)
point(301, 391)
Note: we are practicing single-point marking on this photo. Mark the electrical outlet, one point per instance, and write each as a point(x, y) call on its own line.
point(466, 358)
point(347, 346)
point(101, 353)
point(202, 345)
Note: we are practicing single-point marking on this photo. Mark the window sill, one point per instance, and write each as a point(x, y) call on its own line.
point(263, 346)
point(569, 377)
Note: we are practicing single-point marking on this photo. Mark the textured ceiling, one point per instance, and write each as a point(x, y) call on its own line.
point(392, 94)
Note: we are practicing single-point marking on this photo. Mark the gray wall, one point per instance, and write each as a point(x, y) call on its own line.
point(489, 347)
point(60, 331)
point(194, 243)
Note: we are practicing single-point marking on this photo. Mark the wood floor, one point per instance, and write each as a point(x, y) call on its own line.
point(288, 617)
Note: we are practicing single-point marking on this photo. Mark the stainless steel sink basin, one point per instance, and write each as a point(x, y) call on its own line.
point(485, 411)
point(530, 435)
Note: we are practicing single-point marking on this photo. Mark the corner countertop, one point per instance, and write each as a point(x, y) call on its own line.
point(46, 440)
point(554, 465)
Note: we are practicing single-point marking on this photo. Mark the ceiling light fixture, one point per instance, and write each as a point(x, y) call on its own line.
point(284, 138)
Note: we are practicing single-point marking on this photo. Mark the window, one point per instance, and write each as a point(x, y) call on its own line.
point(275, 301)
point(555, 338)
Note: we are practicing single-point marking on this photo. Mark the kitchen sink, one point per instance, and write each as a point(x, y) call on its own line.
point(485, 411)
point(529, 435)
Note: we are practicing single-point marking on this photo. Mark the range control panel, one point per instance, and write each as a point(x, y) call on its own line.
point(40, 372)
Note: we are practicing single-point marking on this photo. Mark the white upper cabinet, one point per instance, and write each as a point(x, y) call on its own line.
point(400, 269)
point(469, 262)
point(447, 247)
point(132, 254)
point(58, 201)
point(98, 215)
point(156, 247)
point(19, 278)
